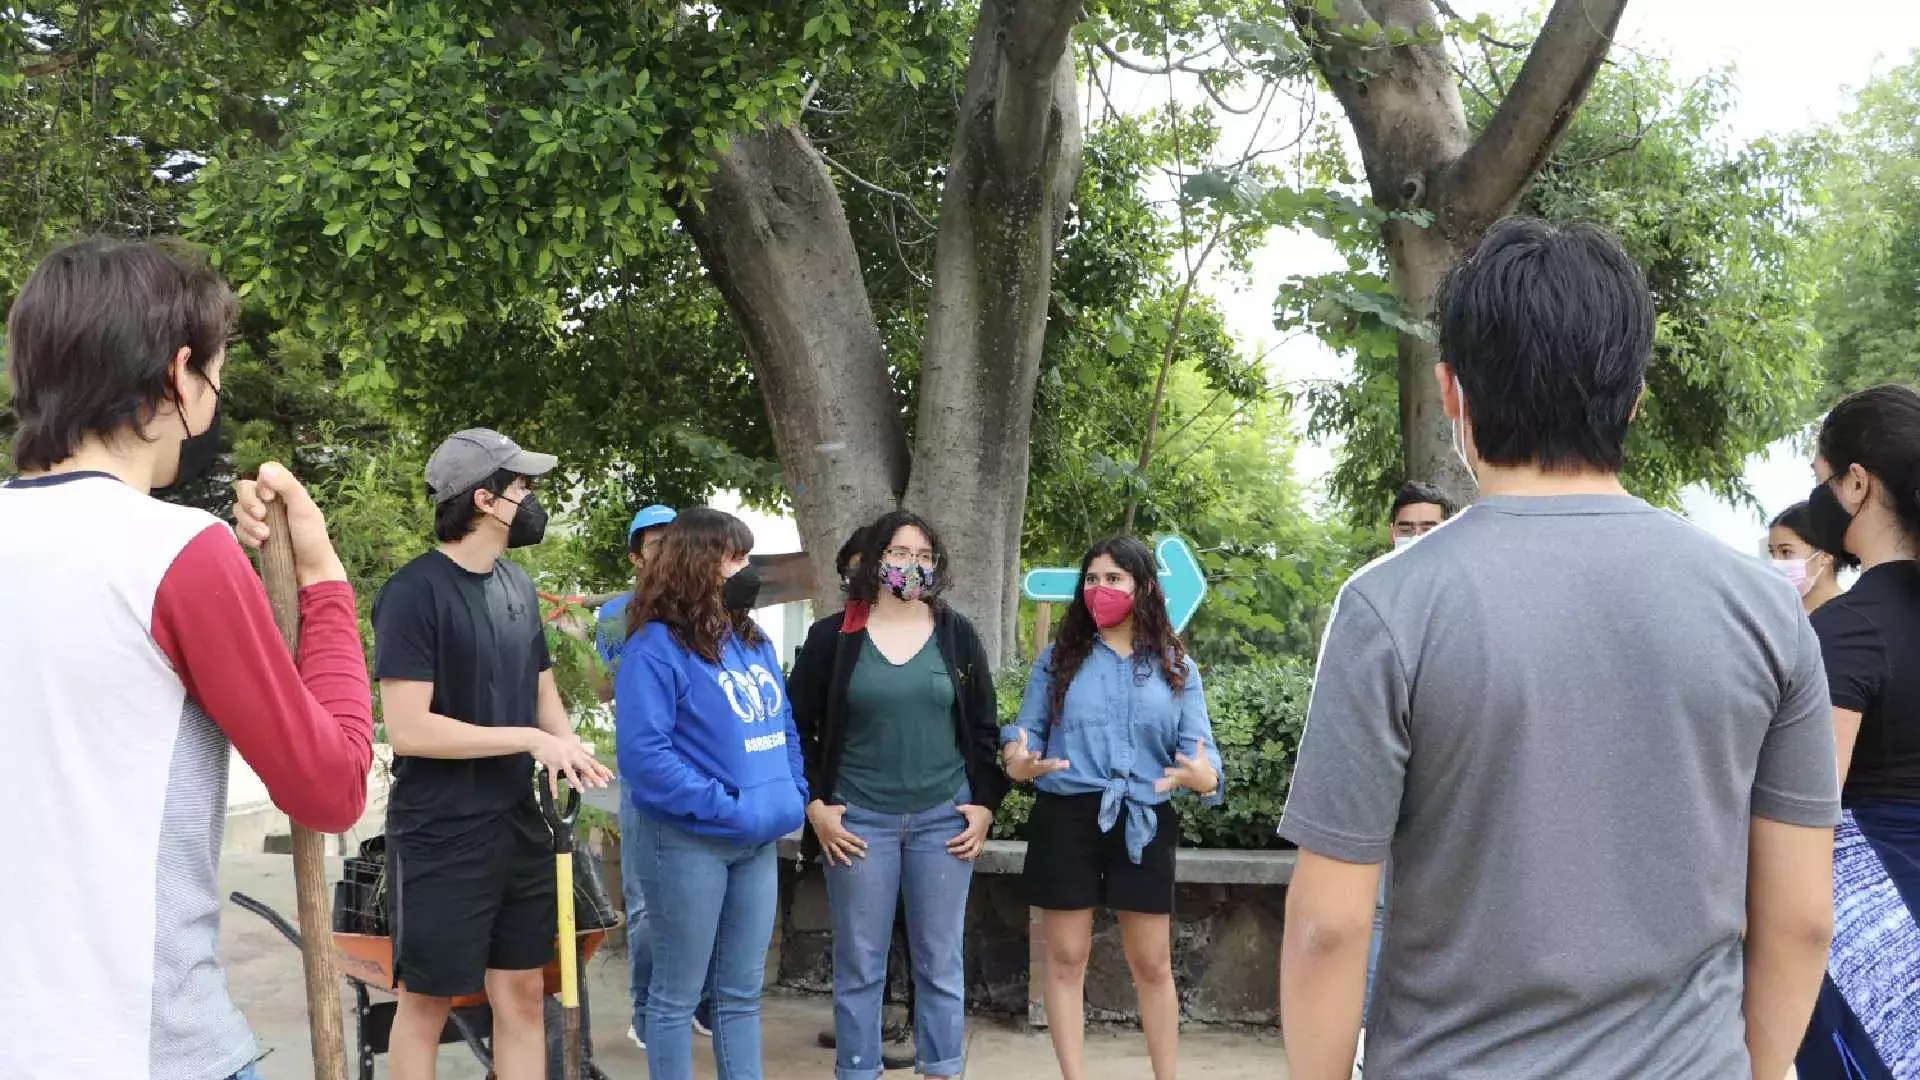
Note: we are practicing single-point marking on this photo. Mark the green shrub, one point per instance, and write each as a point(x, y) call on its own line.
point(1257, 711)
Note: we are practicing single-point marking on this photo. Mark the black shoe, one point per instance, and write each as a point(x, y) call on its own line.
point(828, 1040)
point(903, 1060)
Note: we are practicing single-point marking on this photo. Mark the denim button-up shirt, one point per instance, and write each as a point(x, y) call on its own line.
point(1119, 729)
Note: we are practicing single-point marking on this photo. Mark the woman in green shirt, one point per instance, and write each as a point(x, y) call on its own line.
point(894, 704)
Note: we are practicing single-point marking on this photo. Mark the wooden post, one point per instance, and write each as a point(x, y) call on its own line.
point(1042, 625)
point(309, 847)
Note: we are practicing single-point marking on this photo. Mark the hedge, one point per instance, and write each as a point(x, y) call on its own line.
point(1258, 711)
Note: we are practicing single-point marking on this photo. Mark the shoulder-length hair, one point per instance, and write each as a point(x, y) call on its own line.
point(875, 539)
point(681, 587)
point(1153, 636)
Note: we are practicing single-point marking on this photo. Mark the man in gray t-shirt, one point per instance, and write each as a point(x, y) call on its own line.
point(1564, 715)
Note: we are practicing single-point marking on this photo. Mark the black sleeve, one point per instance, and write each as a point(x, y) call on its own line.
point(405, 630)
point(988, 780)
point(807, 690)
point(1855, 656)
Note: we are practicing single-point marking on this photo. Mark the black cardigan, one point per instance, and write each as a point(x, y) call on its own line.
point(818, 690)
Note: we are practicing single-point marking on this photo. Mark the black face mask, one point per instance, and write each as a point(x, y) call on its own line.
point(529, 523)
point(197, 452)
point(1827, 520)
point(741, 591)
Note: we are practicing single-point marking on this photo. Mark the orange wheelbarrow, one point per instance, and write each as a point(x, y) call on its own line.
point(366, 960)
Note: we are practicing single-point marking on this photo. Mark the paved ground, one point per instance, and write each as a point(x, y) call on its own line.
point(264, 972)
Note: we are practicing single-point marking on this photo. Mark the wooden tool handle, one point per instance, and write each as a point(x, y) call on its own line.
point(309, 847)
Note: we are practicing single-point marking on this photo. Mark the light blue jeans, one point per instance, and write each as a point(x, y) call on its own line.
point(711, 905)
point(639, 931)
point(248, 1073)
point(906, 854)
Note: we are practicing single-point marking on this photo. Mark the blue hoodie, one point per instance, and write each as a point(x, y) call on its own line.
point(710, 748)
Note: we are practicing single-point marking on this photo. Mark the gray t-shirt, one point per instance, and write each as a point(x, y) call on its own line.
point(1557, 715)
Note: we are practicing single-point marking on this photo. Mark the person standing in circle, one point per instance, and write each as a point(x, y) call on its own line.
point(894, 700)
point(1113, 723)
point(710, 758)
point(1814, 573)
point(1866, 510)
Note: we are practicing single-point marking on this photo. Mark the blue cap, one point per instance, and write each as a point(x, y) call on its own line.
point(649, 517)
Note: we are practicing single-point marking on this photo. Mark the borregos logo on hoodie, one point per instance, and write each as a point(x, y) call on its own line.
point(755, 697)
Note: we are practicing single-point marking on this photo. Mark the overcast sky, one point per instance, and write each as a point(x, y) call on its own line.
point(1789, 72)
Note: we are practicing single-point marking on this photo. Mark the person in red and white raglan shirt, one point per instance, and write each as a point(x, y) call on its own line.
point(136, 647)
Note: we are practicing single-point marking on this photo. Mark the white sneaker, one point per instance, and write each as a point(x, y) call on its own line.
point(702, 1028)
point(634, 1037)
point(1360, 1056)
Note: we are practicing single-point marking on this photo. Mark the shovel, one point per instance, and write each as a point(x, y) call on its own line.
point(560, 818)
point(309, 847)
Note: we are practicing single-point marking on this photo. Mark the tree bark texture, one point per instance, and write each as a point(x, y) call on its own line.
point(1016, 158)
point(774, 238)
point(1404, 105)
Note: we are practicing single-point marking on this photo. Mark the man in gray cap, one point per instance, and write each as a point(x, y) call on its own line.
point(466, 685)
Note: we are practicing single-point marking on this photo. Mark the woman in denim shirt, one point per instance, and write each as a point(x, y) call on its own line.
point(1113, 723)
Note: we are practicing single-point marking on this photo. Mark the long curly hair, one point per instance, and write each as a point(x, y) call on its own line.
point(681, 586)
point(1153, 636)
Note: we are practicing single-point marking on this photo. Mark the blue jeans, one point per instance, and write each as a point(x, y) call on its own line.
point(1373, 948)
point(248, 1073)
point(639, 932)
point(906, 854)
point(711, 905)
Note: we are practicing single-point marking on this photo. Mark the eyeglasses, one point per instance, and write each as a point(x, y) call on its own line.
point(906, 555)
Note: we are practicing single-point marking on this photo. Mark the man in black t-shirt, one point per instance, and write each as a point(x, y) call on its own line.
point(469, 702)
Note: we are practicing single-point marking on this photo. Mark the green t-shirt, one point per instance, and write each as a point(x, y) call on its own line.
point(902, 756)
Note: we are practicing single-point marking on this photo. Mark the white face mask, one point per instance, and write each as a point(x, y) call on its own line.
point(1403, 541)
point(1460, 431)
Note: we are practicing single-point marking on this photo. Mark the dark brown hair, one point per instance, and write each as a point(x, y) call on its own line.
point(681, 587)
point(92, 336)
point(1153, 636)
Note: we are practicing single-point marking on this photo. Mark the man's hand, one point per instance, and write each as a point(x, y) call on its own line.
point(314, 560)
point(569, 756)
point(967, 845)
point(838, 844)
point(1023, 764)
point(1194, 773)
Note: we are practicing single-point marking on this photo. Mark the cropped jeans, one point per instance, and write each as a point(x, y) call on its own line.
point(906, 857)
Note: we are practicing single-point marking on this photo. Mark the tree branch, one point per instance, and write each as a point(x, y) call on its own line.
point(60, 64)
point(1486, 180)
point(876, 188)
point(1033, 45)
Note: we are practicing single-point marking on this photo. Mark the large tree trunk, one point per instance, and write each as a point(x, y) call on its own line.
point(774, 237)
point(1016, 159)
point(1404, 104)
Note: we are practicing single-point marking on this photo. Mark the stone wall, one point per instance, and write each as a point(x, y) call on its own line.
point(1226, 942)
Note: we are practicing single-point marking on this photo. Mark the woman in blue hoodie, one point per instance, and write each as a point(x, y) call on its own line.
point(710, 759)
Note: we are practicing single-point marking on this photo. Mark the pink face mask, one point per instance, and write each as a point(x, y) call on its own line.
point(1795, 570)
point(1107, 605)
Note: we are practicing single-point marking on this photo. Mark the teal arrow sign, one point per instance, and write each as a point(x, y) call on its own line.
point(1180, 578)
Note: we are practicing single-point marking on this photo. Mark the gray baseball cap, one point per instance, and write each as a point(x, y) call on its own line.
point(468, 458)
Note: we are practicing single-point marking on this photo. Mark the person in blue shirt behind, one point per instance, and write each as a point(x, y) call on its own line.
point(710, 758)
point(610, 622)
point(1112, 725)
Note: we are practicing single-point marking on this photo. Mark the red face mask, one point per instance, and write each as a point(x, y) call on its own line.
point(1107, 605)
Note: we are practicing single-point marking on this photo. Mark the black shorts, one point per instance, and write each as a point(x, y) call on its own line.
point(1072, 865)
point(460, 909)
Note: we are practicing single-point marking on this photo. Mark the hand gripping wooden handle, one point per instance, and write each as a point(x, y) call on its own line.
point(309, 847)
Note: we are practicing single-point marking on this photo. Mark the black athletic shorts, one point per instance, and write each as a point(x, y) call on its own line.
point(465, 907)
point(1072, 865)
